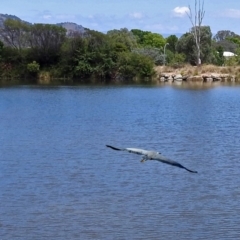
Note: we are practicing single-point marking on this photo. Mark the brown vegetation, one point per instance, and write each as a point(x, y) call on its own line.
point(202, 70)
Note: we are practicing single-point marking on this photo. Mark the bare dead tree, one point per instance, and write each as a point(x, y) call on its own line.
point(196, 21)
point(14, 33)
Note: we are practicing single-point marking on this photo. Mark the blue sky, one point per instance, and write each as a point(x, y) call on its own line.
point(159, 16)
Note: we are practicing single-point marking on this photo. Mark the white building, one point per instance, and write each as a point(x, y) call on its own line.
point(228, 54)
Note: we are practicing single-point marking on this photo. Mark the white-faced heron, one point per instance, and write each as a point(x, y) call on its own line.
point(152, 155)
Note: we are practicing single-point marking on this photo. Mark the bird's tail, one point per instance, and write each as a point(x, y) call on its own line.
point(114, 148)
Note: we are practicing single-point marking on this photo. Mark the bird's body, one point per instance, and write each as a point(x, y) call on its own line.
point(151, 155)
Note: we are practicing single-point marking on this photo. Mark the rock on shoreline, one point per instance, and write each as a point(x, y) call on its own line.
point(168, 77)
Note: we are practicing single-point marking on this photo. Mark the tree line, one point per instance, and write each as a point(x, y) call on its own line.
point(29, 49)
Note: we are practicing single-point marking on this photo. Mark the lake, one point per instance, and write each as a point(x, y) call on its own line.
point(59, 181)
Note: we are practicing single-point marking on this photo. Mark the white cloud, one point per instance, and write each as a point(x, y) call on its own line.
point(180, 11)
point(47, 17)
point(136, 15)
point(90, 16)
point(232, 13)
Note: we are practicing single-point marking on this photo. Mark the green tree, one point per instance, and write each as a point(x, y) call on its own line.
point(1, 49)
point(186, 45)
point(235, 40)
point(219, 58)
point(123, 36)
point(172, 43)
point(154, 53)
point(134, 64)
point(223, 39)
point(206, 44)
point(15, 33)
point(223, 35)
point(154, 40)
point(96, 56)
point(45, 42)
point(176, 59)
point(149, 39)
point(139, 34)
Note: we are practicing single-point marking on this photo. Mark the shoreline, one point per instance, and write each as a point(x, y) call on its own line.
point(163, 74)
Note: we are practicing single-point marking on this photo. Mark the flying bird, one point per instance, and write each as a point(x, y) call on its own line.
point(151, 155)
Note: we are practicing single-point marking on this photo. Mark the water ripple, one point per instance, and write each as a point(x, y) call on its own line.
point(59, 181)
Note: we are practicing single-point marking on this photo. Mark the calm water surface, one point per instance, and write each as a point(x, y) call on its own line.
point(59, 181)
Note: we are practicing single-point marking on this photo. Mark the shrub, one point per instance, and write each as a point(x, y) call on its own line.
point(33, 67)
point(178, 60)
point(134, 64)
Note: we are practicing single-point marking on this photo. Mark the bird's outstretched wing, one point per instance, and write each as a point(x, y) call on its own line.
point(130, 150)
point(114, 148)
point(171, 162)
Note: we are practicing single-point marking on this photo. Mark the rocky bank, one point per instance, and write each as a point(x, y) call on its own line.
point(202, 74)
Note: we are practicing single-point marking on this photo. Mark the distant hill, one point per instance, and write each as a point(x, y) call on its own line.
point(70, 27)
point(3, 17)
